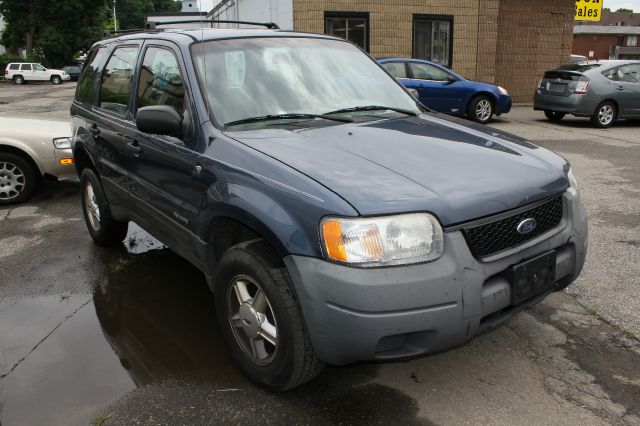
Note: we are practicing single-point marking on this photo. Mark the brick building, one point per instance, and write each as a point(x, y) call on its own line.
point(507, 42)
point(607, 42)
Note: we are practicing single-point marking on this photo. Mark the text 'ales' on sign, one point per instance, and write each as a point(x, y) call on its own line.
point(588, 10)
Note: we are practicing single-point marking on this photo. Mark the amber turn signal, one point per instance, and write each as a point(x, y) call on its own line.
point(66, 161)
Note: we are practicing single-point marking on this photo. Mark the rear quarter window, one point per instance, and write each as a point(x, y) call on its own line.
point(14, 66)
point(86, 88)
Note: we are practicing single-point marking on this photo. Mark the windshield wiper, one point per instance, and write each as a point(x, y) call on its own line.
point(373, 108)
point(286, 116)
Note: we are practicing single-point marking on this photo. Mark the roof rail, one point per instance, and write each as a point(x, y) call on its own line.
point(111, 33)
point(153, 25)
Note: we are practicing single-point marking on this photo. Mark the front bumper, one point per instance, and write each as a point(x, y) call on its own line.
point(503, 105)
point(355, 314)
point(581, 105)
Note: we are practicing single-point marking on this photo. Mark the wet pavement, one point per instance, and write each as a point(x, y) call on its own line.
point(128, 335)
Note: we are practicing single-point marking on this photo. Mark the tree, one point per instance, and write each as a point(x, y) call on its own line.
point(624, 10)
point(60, 29)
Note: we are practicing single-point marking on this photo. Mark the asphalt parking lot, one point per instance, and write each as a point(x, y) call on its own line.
point(128, 335)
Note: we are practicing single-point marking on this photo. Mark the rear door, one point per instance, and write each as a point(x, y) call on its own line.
point(26, 71)
point(438, 89)
point(107, 122)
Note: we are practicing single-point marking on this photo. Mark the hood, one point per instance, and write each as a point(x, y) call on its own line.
point(27, 127)
point(431, 163)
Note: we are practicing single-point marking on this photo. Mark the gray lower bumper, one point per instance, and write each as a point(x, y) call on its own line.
point(357, 314)
point(583, 105)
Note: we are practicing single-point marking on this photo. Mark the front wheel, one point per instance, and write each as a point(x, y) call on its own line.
point(104, 229)
point(261, 320)
point(480, 109)
point(604, 115)
point(17, 179)
point(56, 79)
point(554, 115)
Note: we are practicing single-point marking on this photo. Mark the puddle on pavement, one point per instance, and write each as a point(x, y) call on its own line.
point(150, 320)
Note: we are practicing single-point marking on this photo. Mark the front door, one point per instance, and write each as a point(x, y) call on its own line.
point(165, 181)
point(40, 73)
point(438, 89)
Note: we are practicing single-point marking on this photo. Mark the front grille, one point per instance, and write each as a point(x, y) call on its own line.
point(502, 234)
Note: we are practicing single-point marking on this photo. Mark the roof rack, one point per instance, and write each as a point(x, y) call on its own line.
point(111, 33)
point(153, 25)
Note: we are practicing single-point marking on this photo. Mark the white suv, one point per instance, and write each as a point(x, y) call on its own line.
point(20, 72)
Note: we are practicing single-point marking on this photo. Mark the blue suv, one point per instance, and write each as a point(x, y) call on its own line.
point(334, 217)
point(444, 91)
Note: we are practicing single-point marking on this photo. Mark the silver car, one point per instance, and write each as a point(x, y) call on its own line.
point(603, 91)
point(31, 150)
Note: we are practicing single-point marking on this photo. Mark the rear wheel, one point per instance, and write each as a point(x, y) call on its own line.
point(554, 115)
point(261, 320)
point(604, 115)
point(480, 109)
point(18, 79)
point(17, 179)
point(55, 79)
point(104, 229)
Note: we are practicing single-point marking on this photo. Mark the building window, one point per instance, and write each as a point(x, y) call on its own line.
point(352, 26)
point(433, 38)
point(632, 40)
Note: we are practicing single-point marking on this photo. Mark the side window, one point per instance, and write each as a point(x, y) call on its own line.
point(628, 73)
point(116, 80)
point(85, 92)
point(428, 72)
point(397, 69)
point(25, 67)
point(38, 67)
point(14, 67)
point(160, 82)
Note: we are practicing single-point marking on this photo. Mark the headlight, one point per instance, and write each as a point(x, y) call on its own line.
point(503, 91)
point(62, 143)
point(383, 241)
point(573, 184)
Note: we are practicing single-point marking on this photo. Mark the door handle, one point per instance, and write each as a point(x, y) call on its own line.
point(94, 129)
point(135, 148)
point(620, 88)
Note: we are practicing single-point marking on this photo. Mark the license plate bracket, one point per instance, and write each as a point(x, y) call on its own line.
point(532, 277)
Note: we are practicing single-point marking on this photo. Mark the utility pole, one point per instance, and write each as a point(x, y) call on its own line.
point(115, 21)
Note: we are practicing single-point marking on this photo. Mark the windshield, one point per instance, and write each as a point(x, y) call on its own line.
point(259, 77)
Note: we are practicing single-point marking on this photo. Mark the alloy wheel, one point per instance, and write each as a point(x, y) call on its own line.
point(252, 320)
point(91, 206)
point(12, 181)
point(605, 115)
point(483, 110)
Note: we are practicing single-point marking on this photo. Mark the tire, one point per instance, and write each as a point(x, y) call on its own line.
point(104, 229)
point(604, 115)
point(18, 179)
point(291, 361)
point(481, 109)
point(554, 115)
point(55, 79)
point(18, 79)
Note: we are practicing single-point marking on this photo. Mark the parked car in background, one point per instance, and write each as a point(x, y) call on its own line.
point(334, 217)
point(21, 72)
point(576, 59)
point(31, 150)
point(73, 71)
point(444, 91)
point(602, 90)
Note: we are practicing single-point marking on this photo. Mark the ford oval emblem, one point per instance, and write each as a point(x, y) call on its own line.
point(527, 226)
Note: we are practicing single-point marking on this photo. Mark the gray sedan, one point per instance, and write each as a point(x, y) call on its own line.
point(603, 91)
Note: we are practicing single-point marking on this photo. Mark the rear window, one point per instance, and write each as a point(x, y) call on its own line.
point(14, 66)
point(396, 69)
point(562, 75)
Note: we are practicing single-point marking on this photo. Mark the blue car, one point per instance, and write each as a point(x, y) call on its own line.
point(445, 91)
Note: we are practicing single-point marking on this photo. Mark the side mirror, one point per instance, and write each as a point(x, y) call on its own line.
point(414, 93)
point(159, 120)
